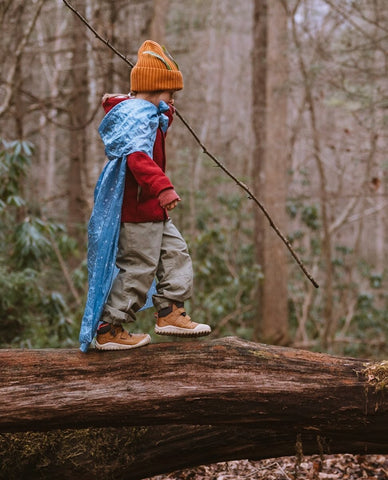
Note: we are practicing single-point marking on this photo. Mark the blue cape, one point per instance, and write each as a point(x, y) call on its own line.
point(129, 127)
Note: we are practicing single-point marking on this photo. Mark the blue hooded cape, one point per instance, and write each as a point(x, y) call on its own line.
point(129, 127)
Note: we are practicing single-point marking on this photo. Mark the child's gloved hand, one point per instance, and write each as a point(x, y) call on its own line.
point(168, 198)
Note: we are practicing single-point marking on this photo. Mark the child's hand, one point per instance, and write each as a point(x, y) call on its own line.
point(169, 198)
point(172, 205)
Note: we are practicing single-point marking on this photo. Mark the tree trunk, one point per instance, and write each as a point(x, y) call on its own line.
point(158, 21)
point(132, 453)
point(175, 405)
point(77, 205)
point(52, 68)
point(270, 163)
point(130, 413)
point(326, 242)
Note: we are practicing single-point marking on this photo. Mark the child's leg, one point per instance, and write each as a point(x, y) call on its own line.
point(174, 271)
point(175, 275)
point(137, 259)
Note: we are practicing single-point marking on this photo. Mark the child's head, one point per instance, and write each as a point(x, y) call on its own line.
point(155, 70)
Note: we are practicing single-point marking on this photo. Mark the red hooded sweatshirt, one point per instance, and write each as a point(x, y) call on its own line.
point(145, 177)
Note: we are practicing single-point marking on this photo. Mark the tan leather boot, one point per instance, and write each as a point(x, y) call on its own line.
point(114, 337)
point(176, 322)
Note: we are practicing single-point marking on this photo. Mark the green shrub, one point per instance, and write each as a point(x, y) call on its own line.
point(33, 312)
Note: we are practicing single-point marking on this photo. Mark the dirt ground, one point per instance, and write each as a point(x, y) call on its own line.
point(329, 467)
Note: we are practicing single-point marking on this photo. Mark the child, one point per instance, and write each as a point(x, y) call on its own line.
point(149, 245)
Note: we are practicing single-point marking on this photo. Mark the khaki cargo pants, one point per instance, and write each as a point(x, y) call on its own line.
point(146, 251)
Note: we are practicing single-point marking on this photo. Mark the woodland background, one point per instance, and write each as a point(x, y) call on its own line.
point(292, 96)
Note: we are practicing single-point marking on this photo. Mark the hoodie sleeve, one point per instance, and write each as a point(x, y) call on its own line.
point(148, 174)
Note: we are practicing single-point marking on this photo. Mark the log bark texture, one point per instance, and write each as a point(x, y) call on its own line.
point(173, 405)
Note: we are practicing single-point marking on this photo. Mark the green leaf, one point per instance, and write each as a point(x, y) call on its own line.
point(16, 201)
point(169, 56)
point(148, 52)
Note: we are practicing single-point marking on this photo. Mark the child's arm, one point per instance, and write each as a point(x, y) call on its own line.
point(152, 179)
point(148, 174)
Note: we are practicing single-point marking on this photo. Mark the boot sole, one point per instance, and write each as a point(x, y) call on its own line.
point(182, 332)
point(121, 346)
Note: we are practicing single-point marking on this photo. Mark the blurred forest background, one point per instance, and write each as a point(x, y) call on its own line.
point(291, 95)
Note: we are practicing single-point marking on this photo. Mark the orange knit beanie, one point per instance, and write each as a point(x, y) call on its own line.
point(155, 70)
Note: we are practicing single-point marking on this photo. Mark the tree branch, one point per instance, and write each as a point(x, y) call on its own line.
point(103, 40)
point(18, 53)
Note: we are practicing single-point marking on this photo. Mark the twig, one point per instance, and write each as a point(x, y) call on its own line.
point(283, 471)
point(103, 40)
point(206, 152)
point(250, 196)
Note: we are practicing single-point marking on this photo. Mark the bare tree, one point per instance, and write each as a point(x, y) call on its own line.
point(52, 68)
point(270, 162)
point(77, 213)
point(339, 90)
point(12, 62)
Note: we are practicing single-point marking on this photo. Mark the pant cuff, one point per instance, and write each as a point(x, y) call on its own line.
point(160, 303)
point(116, 317)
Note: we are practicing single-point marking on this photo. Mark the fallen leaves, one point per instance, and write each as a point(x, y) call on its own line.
point(329, 467)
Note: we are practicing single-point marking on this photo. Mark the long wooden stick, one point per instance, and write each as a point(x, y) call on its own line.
point(206, 152)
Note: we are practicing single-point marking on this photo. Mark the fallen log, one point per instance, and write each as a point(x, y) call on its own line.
point(173, 405)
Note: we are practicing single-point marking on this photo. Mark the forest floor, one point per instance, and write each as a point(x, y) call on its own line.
point(329, 467)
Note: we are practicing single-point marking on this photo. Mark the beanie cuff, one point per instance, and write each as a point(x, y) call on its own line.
point(148, 79)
